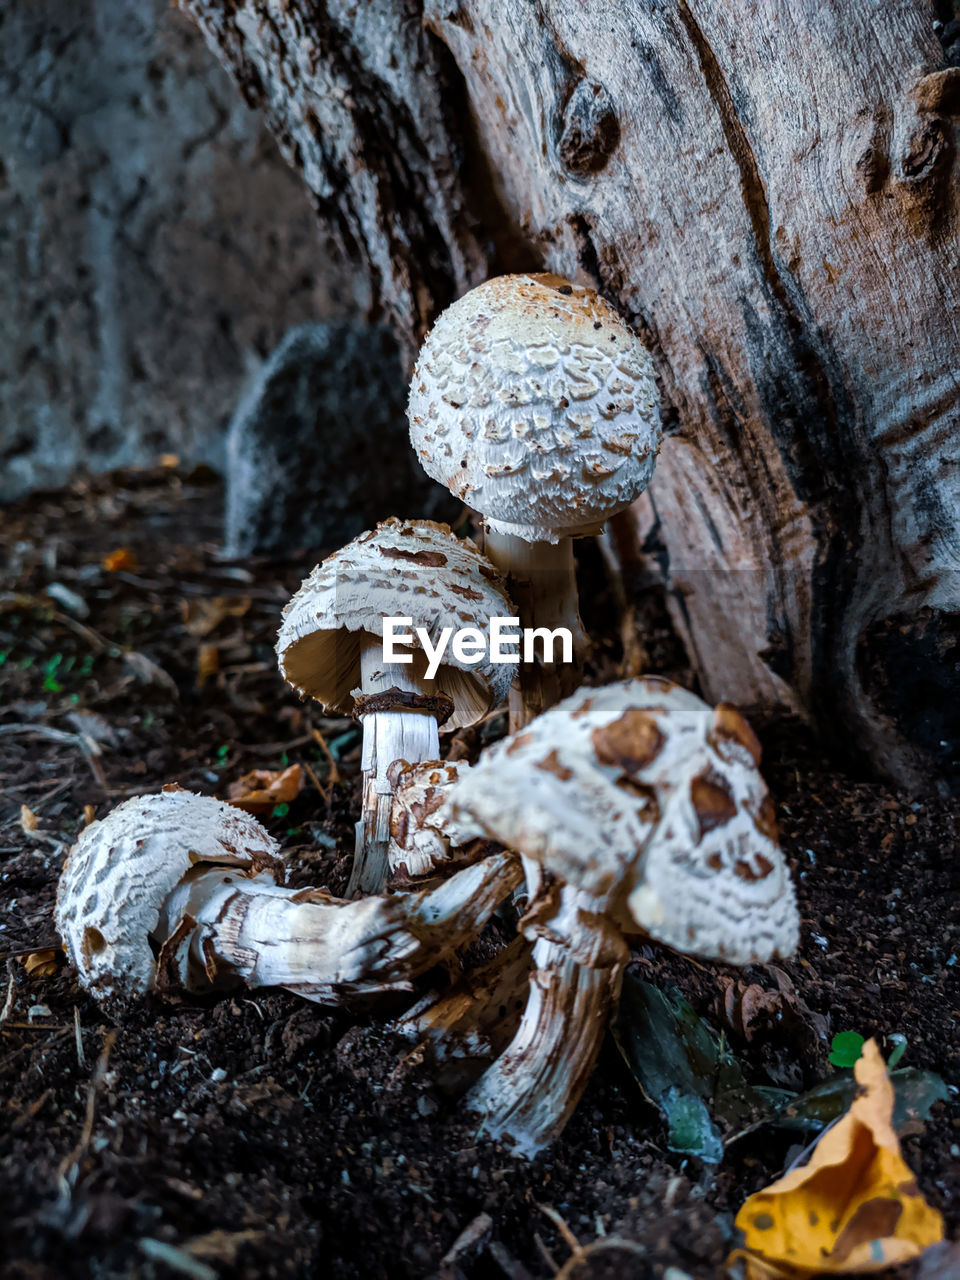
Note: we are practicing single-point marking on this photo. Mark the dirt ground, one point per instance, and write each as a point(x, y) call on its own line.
point(260, 1136)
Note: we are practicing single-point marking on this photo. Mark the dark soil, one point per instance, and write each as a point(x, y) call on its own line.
point(262, 1136)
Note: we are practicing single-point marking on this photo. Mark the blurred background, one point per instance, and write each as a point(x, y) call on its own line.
point(154, 247)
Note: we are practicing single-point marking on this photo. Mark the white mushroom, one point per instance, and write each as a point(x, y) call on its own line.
point(184, 892)
point(644, 810)
point(424, 835)
point(331, 641)
point(536, 404)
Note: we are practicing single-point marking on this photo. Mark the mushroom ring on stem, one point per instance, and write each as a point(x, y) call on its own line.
point(535, 403)
point(642, 809)
point(183, 892)
point(330, 648)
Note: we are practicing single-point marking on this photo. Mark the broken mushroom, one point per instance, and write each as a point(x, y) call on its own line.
point(535, 403)
point(424, 836)
point(642, 809)
point(183, 892)
point(331, 642)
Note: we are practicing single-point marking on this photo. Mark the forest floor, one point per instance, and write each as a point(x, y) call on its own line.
point(261, 1136)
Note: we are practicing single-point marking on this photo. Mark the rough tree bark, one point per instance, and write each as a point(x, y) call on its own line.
point(768, 190)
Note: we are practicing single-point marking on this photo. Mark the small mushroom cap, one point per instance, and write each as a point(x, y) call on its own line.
point(404, 568)
point(536, 404)
point(122, 869)
point(651, 801)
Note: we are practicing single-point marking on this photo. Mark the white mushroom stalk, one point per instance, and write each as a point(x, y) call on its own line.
point(644, 811)
point(535, 403)
point(182, 892)
point(330, 648)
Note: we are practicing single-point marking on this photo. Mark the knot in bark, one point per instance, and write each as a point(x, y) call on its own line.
point(589, 129)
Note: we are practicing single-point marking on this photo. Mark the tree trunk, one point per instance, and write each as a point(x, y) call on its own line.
point(767, 189)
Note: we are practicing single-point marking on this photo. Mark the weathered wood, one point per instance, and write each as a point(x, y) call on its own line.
point(768, 191)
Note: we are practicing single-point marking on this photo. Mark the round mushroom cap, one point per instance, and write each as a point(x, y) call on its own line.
point(404, 568)
point(121, 871)
point(652, 801)
point(534, 402)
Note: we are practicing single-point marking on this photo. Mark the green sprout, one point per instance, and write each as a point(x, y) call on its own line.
point(845, 1048)
point(280, 811)
point(223, 751)
point(899, 1042)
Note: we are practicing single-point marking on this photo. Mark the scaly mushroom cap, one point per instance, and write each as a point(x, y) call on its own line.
point(122, 869)
point(650, 800)
point(423, 830)
point(536, 404)
point(404, 568)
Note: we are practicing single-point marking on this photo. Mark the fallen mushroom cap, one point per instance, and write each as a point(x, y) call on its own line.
point(648, 799)
point(536, 404)
point(122, 869)
point(403, 568)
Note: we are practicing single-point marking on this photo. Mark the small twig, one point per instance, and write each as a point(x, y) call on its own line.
point(9, 1002)
point(571, 1241)
point(89, 748)
point(71, 1161)
point(81, 1060)
point(335, 778)
point(545, 1253)
point(28, 951)
point(34, 1048)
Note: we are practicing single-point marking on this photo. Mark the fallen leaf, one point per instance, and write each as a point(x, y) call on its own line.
point(200, 617)
point(261, 789)
point(28, 820)
point(41, 964)
point(122, 558)
point(915, 1093)
point(853, 1209)
point(685, 1071)
point(89, 814)
point(208, 663)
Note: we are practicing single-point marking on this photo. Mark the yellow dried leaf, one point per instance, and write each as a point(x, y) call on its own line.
point(855, 1208)
point(200, 617)
point(41, 964)
point(208, 663)
point(259, 790)
point(28, 820)
point(89, 813)
point(122, 558)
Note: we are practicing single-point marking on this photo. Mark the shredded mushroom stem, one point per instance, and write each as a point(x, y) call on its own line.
point(532, 1089)
point(387, 736)
point(221, 925)
point(542, 583)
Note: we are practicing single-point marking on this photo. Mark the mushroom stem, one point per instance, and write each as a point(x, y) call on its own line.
point(388, 735)
point(220, 925)
point(531, 1090)
point(542, 583)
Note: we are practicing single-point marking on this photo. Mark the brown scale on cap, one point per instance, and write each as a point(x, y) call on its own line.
point(766, 819)
point(430, 559)
point(551, 764)
point(759, 869)
point(712, 801)
point(730, 726)
point(631, 742)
